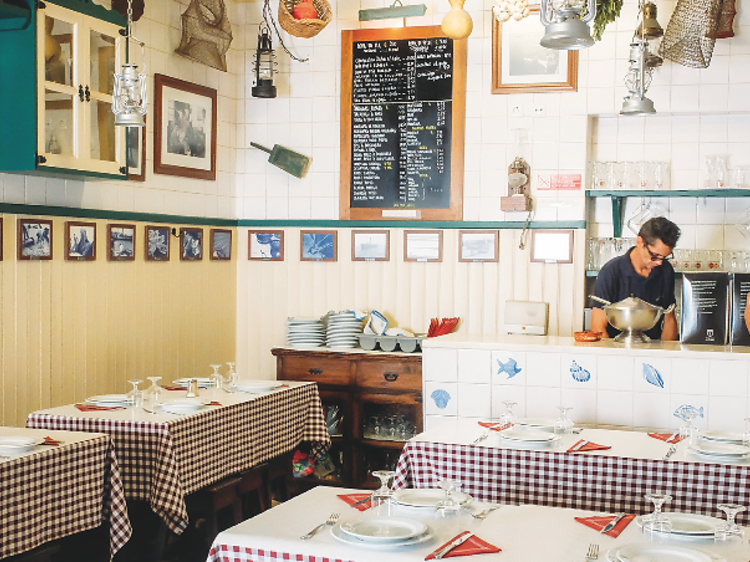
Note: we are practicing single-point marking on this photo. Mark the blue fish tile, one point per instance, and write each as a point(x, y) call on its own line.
point(687, 411)
point(510, 367)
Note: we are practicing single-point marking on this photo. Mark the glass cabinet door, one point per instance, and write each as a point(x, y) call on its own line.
point(102, 64)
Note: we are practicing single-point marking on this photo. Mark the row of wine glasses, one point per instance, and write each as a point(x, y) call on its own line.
point(563, 424)
point(219, 381)
point(659, 522)
point(446, 507)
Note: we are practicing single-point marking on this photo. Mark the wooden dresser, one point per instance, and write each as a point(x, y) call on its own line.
point(379, 396)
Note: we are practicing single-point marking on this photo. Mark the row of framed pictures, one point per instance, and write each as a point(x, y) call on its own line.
point(35, 241)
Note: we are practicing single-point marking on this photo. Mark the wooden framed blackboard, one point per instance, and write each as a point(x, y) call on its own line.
point(403, 109)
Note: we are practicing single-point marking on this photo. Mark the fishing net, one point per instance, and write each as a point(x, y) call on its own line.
point(206, 33)
point(691, 33)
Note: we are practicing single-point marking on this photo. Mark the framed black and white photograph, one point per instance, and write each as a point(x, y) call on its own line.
point(121, 242)
point(34, 239)
point(318, 245)
point(157, 243)
point(520, 64)
point(266, 245)
point(371, 245)
point(423, 245)
point(80, 241)
point(136, 153)
point(221, 244)
point(191, 244)
point(552, 246)
point(478, 245)
point(184, 128)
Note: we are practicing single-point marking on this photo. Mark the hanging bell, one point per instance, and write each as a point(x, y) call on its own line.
point(649, 28)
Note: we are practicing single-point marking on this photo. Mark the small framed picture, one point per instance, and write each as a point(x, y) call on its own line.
point(318, 245)
point(478, 245)
point(221, 244)
point(121, 242)
point(157, 243)
point(552, 246)
point(267, 245)
point(371, 245)
point(191, 244)
point(80, 241)
point(34, 239)
point(136, 152)
point(423, 245)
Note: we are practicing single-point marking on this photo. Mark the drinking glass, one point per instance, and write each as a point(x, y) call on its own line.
point(599, 175)
point(730, 529)
point(135, 395)
point(700, 260)
point(657, 521)
point(384, 494)
point(721, 172)
point(508, 417)
point(232, 375)
point(612, 175)
point(644, 173)
point(661, 175)
point(709, 173)
point(216, 378)
point(563, 424)
point(154, 392)
point(714, 260)
point(448, 506)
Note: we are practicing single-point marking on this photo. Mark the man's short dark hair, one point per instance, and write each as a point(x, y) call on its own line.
point(660, 228)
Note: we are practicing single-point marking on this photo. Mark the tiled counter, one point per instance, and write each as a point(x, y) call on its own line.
point(605, 383)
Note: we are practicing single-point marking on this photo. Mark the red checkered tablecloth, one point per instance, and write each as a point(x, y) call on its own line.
point(59, 491)
point(591, 482)
point(227, 553)
point(163, 461)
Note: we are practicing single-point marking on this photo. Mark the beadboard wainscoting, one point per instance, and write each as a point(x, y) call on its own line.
point(71, 329)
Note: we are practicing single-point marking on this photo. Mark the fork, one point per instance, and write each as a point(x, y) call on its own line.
point(593, 553)
point(670, 452)
point(330, 522)
point(482, 515)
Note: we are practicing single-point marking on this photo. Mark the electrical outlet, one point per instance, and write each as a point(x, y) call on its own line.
point(539, 111)
point(516, 111)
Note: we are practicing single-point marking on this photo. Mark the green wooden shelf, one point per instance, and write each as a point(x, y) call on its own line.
point(13, 17)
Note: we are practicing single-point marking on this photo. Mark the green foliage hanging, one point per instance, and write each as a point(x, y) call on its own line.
point(607, 11)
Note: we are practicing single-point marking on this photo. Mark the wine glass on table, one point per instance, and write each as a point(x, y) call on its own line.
point(563, 424)
point(135, 395)
point(232, 375)
point(154, 393)
point(383, 496)
point(508, 418)
point(730, 529)
point(449, 506)
point(657, 522)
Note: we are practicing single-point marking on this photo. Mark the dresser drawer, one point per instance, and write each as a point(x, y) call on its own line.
point(390, 374)
point(316, 369)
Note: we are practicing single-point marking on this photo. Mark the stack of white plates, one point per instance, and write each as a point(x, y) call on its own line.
point(304, 333)
point(203, 382)
point(342, 330)
point(184, 405)
point(17, 444)
point(427, 497)
point(720, 451)
point(537, 424)
point(666, 552)
point(382, 532)
point(255, 387)
point(724, 437)
point(528, 436)
point(690, 524)
point(110, 400)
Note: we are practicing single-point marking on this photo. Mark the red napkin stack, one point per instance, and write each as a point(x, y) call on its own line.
point(94, 408)
point(440, 327)
point(598, 523)
point(470, 547)
point(284, 386)
point(214, 403)
point(589, 446)
point(182, 388)
point(668, 437)
point(50, 441)
point(495, 426)
point(354, 498)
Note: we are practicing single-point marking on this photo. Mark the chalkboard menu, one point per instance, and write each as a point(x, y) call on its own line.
point(402, 119)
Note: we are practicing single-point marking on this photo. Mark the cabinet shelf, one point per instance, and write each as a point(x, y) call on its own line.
point(383, 443)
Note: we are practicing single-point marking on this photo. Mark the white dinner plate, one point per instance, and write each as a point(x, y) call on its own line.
point(342, 536)
point(723, 437)
point(529, 436)
point(384, 529)
point(689, 524)
point(427, 497)
point(257, 386)
point(184, 405)
point(203, 382)
point(716, 449)
point(652, 552)
point(17, 444)
point(110, 400)
point(536, 423)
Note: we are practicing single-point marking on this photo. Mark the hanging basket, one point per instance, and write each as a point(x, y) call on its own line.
point(304, 28)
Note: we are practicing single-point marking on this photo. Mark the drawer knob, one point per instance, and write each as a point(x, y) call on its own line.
point(315, 371)
point(390, 377)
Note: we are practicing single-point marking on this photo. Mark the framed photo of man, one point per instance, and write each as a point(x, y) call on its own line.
point(34, 239)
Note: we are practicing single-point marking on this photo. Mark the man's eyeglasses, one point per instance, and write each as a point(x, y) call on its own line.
point(657, 257)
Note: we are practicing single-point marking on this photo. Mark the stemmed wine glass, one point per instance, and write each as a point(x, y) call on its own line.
point(508, 418)
point(448, 506)
point(688, 430)
point(657, 521)
point(563, 424)
point(135, 395)
point(154, 392)
point(232, 374)
point(216, 378)
point(729, 529)
point(384, 494)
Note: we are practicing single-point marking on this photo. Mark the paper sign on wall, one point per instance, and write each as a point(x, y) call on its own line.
point(559, 182)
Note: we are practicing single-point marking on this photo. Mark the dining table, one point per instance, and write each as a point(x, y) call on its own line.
point(165, 456)
point(523, 533)
point(494, 468)
point(62, 484)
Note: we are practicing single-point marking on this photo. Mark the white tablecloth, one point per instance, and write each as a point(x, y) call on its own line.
point(524, 533)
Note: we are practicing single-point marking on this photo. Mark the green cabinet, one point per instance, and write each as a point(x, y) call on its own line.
point(56, 91)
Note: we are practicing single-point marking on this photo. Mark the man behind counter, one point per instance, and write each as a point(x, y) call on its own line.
point(644, 272)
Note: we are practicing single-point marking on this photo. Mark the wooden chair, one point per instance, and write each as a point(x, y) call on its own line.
point(254, 482)
point(279, 469)
point(215, 498)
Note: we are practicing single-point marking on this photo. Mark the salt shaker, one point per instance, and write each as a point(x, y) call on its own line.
point(192, 389)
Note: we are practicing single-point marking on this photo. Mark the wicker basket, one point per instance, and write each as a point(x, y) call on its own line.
point(304, 28)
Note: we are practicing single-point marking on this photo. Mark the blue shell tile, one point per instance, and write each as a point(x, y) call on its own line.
point(652, 376)
point(441, 398)
point(579, 373)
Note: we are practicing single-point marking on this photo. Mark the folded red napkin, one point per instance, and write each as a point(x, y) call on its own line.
point(494, 426)
point(284, 386)
point(470, 547)
point(50, 441)
point(94, 408)
point(354, 498)
point(588, 446)
point(668, 437)
point(182, 388)
point(214, 403)
point(599, 522)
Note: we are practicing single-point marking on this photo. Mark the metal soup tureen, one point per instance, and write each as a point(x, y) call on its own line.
point(632, 316)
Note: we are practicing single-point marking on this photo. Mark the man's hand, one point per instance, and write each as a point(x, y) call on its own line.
point(599, 321)
point(670, 332)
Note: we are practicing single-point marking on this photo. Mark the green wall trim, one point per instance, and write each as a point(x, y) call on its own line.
point(42, 210)
point(71, 173)
point(94, 10)
point(445, 225)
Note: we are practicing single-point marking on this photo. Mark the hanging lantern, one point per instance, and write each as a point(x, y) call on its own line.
point(130, 96)
point(566, 23)
point(265, 65)
point(643, 61)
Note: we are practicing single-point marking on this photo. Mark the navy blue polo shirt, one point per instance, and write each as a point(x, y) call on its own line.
point(618, 280)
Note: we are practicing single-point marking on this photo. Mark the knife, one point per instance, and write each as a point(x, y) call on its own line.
point(611, 524)
point(458, 542)
point(362, 501)
point(579, 445)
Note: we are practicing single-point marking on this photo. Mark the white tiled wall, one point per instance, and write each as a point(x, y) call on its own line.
point(610, 387)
